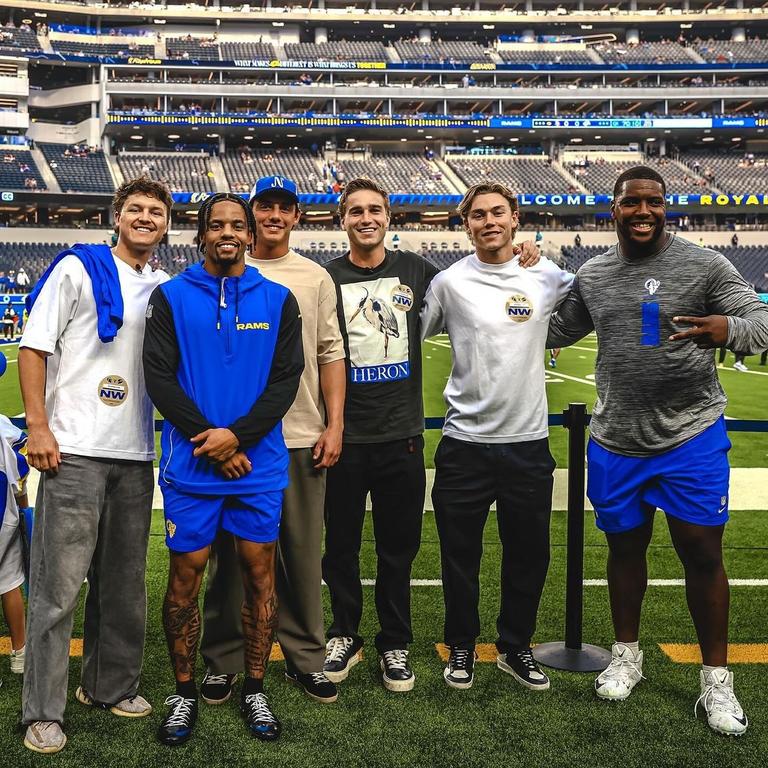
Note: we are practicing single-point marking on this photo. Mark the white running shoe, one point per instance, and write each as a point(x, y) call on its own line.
point(17, 661)
point(740, 367)
point(724, 713)
point(624, 672)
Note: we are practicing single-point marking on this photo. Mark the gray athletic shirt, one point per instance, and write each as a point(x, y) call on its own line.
point(654, 394)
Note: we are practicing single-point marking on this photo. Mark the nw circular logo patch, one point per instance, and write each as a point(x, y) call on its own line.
point(519, 308)
point(113, 390)
point(402, 298)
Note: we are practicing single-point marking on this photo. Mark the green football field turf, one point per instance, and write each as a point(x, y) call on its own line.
point(496, 723)
point(570, 382)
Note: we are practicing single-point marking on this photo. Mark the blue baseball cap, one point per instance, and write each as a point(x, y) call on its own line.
point(274, 184)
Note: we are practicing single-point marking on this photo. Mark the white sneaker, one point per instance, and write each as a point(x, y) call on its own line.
point(17, 661)
point(740, 367)
point(724, 713)
point(623, 673)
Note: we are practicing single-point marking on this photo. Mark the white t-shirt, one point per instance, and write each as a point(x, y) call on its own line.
point(95, 395)
point(497, 317)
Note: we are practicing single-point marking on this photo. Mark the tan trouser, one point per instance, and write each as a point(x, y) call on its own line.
point(300, 607)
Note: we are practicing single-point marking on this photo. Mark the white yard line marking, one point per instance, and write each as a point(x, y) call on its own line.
point(594, 582)
point(571, 378)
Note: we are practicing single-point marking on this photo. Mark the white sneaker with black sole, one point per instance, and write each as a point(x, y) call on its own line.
point(625, 671)
point(724, 713)
point(341, 654)
point(523, 667)
point(460, 671)
point(396, 673)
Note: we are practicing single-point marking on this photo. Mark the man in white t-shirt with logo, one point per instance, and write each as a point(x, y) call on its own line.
point(495, 439)
point(91, 435)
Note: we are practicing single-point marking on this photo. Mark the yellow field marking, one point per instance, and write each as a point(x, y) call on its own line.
point(738, 653)
point(485, 651)
point(75, 646)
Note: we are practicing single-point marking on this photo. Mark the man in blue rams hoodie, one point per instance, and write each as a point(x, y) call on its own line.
point(224, 461)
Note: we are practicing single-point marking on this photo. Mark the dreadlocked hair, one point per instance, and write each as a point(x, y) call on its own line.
point(204, 214)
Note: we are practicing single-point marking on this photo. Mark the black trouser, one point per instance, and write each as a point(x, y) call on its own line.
point(469, 477)
point(394, 475)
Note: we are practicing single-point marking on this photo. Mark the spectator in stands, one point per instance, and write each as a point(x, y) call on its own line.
point(503, 457)
point(658, 431)
point(735, 240)
point(4, 283)
point(577, 240)
point(8, 322)
point(22, 280)
point(313, 431)
point(94, 503)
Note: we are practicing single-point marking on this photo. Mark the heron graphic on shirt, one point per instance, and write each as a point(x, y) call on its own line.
point(380, 315)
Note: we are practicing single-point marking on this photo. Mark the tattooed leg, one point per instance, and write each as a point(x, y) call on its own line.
point(181, 613)
point(259, 611)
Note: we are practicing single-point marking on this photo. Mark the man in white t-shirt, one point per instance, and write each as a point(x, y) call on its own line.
point(91, 435)
point(494, 446)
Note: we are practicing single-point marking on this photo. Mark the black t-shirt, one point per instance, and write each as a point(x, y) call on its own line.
point(379, 319)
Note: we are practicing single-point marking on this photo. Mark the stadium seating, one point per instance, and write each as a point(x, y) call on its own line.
point(723, 51)
point(545, 55)
point(399, 173)
point(601, 173)
point(16, 167)
point(21, 39)
point(337, 50)
point(247, 50)
point(121, 50)
point(34, 257)
point(643, 53)
point(243, 166)
point(78, 173)
point(182, 172)
point(519, 173)
point(192, 48)
point(734, 173)
point(574, 257)
point(459, 51)
point(752, 263)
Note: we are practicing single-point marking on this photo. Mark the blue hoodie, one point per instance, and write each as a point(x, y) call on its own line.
point(223, 352)
point(100, 265)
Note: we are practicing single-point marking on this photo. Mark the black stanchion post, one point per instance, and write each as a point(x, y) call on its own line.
point(573, 655)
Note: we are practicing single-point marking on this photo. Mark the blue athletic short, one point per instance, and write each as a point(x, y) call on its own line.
point(192, 521)
point(689, 482)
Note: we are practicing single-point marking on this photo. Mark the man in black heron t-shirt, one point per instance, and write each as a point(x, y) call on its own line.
point(380, 293)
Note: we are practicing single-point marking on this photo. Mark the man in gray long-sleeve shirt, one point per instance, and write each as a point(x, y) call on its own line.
point(659, 304)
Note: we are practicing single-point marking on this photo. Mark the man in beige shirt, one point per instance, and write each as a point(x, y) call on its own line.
point(312, 429)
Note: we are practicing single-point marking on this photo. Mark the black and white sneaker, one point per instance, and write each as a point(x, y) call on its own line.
point(523, 667)
point(178, 724)
point(396, 674)
point(315, 684)
point(341, 654)
point(460, 671)
point(259, 718)
point(216, 689)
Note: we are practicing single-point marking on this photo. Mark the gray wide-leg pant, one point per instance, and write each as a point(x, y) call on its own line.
point(91, 519)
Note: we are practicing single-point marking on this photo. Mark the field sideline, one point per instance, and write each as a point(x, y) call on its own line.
point(496, 723)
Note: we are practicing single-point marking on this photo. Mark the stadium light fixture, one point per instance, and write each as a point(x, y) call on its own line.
point(686, 26)
point(598, 137)
point(247, 138)
point(351, 141)
point(736, 138)
point(41, 15)
point(278, 23)
point(489, 26)
point(159, 21)
point(708, 138)
point(488, 138)
point(475, 130)
point(428, 137)
point(291, 135)
point(389, 26)
point(173, 136)
point(266, 141)
point(514, 138)
point(403, 139)
point(136, 137)
point(651, 138)
point(211, 135)
point(576, 140)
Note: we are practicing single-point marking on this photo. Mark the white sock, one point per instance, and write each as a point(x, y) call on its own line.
point(707, 669)
point(634, 647)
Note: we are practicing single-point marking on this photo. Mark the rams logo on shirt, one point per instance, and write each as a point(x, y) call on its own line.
point(113, 390)
point(171, 528)
point(402, 298)
point(519, 308)
point(252, 326)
